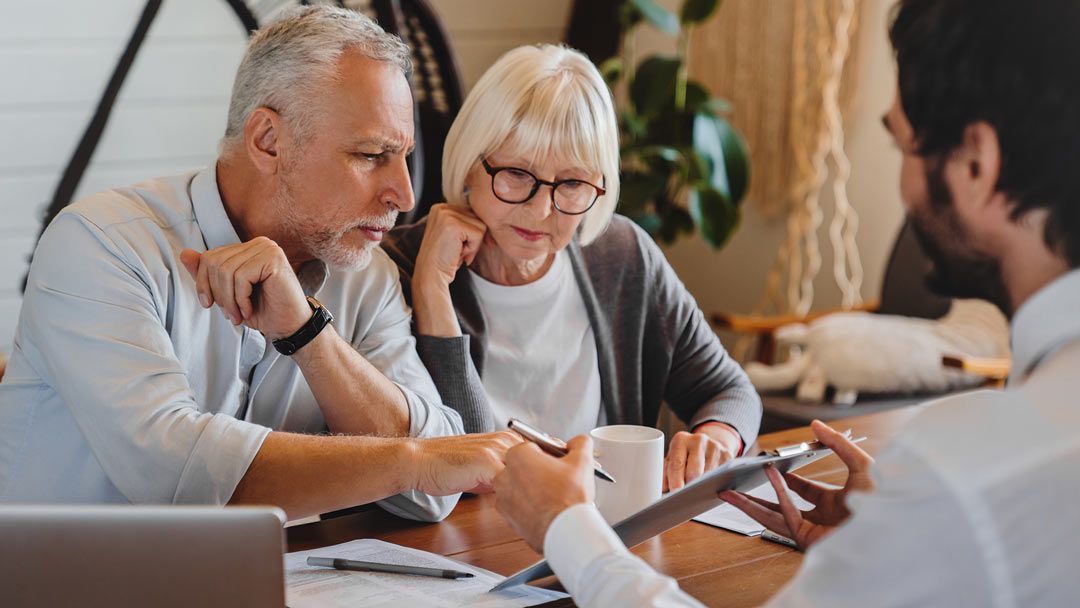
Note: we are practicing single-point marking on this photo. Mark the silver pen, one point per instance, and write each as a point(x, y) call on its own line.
point(552, 445)
point(771, 536)
point(359, 566)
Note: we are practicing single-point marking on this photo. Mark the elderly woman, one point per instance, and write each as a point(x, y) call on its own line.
point(532, 300)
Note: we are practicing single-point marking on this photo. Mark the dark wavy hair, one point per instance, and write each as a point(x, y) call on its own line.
point(1015, 65)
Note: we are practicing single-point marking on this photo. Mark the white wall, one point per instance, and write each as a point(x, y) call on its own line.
point(482, 30)
point(55, 60)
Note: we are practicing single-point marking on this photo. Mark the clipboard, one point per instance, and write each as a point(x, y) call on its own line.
point(740, 474)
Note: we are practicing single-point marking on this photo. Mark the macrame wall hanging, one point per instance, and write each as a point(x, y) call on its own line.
point(782, 64)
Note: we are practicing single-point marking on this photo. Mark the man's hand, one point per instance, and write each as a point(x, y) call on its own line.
point(459, 463)
point(253, 284)
point(535, 487)
point(690, 455)
point(830, 504)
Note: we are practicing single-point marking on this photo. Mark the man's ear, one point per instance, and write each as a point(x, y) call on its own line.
point(262, 136)
point(980, 158)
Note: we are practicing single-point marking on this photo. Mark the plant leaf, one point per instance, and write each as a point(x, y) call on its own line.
point(637, 190)
point(653, 88)
point(697, 97)
point(650, 152)
point(715, 106)
point(696, 11)
point(676, 221)
point(632, 126)
point(660, 17)
point(629, 17)
point(612, 70)
point(715, 216)
point(698, 169)
point(725, 152)
point(649, 222)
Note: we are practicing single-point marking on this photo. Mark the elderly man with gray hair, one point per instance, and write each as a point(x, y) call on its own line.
point(176, 342)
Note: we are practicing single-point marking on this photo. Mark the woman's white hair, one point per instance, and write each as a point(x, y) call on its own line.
point(539, 102)
point(290, 62)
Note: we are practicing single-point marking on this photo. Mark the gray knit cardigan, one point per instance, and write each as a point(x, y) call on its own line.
point(652, 342)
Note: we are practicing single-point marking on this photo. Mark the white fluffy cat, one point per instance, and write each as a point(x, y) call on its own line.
point(862, 352)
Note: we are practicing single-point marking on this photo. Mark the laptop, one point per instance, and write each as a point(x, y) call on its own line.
point(91, 556)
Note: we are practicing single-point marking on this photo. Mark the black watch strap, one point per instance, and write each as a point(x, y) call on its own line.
point(320, 318)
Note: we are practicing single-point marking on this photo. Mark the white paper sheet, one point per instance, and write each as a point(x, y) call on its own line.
point(729, 518)
point(314, 587)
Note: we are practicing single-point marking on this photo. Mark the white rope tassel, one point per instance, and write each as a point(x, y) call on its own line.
point(847, 266)
point(818, 119)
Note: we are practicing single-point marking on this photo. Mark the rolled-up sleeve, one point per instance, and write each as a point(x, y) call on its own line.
point(95, 335)
point(390, 346)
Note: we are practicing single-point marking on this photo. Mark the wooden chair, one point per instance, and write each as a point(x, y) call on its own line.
point(437, 93)
point(904, 292)
point(994, 370)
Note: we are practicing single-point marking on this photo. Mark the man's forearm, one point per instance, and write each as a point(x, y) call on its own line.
point(354, 396)
point(310, 474)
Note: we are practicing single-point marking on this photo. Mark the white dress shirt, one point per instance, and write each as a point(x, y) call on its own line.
point(541, 364)
point(975, 502)
point(122, 388)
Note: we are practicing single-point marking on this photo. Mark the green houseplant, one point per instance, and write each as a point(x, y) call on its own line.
point(685, 167)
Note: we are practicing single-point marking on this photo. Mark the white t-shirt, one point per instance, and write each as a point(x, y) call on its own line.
point(541, 364)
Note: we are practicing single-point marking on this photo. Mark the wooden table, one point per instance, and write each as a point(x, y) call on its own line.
point(713, 565)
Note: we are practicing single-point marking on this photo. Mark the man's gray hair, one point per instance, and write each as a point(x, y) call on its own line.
point(289, 62)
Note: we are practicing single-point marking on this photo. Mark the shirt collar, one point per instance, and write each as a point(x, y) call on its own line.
point(312, 276)
point(214, 223)
point(1045, 322)
point(218, 231)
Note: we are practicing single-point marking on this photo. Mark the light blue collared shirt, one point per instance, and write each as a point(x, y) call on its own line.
point(122, 388)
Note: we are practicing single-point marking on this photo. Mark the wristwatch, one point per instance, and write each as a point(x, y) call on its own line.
point(320, 318)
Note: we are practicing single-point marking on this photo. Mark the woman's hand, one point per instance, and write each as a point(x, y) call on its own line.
point(691, 455)
point(452, 238)
point(830, 503)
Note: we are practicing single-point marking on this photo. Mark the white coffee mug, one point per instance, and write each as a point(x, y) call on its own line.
point(634, 455)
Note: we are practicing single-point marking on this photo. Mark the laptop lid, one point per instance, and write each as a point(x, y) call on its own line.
point(162, 556)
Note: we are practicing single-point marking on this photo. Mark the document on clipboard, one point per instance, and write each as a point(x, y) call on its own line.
point(741, 474)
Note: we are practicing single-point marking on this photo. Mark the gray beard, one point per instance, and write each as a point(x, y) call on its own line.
point(325, 244)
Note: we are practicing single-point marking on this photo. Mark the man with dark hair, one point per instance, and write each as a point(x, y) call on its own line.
point(968, 506)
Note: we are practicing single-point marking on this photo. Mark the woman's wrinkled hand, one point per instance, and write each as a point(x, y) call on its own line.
point(452, 238)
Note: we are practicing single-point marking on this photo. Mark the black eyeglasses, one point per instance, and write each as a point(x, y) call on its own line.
point(515, 186)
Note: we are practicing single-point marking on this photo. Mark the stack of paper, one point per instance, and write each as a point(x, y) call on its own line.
point(729, 518)
point(311, 587)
